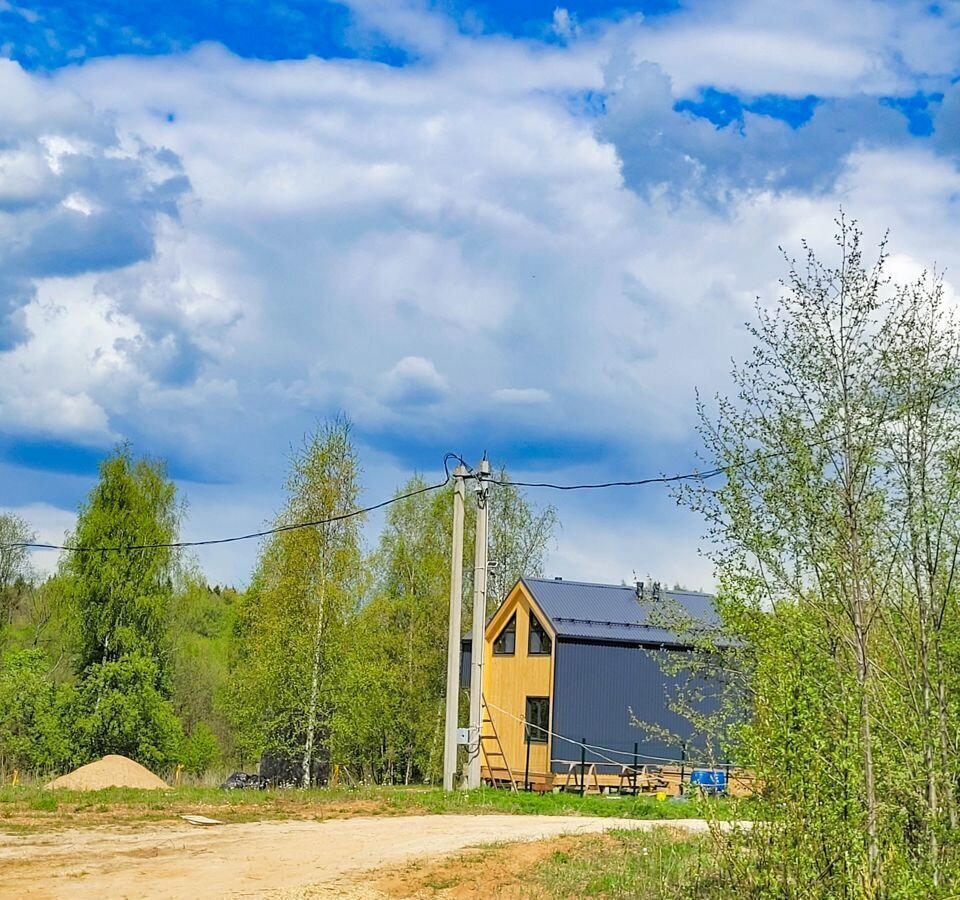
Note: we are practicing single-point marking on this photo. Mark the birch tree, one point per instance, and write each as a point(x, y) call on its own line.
point(307, 583)
point(119, 599)
point(835, 536)
point(923, 376)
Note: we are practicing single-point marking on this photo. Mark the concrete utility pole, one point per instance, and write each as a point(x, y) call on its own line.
point(453, 636)
point(479, 622)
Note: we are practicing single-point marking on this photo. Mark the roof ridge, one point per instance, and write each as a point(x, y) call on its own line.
point(544, 580)
point(583, 621)
point(620, 587)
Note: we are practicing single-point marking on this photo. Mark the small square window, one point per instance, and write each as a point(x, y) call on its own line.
point(537, 719)
point(538, 641)
point(505, 643)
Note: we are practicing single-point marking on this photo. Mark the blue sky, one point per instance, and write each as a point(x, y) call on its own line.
point(527, 228)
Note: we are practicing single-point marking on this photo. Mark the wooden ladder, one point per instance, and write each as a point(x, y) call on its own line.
point(495, 752)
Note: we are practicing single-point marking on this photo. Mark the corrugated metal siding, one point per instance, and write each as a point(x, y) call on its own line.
point(613, 613)
point(595, 688)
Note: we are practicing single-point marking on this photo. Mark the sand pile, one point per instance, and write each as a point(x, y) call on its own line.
point(111, 771)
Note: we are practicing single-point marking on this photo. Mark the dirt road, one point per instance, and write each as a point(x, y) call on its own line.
point(263, 859)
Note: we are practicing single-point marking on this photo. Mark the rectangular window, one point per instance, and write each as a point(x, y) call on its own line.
point(505, 643)
point(538, 719)
point(538, 641)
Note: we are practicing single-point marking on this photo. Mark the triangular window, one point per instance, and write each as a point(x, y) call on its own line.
point(505, 643)
point(539, 643)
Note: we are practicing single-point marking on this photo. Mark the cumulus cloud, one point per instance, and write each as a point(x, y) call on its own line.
point(820, 47)
point(73, 199)
point(664, 148)
point(414, 381)
point(362, 215)
point(536, 228)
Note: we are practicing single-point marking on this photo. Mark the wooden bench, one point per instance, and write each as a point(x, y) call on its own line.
point(574, 772)
point(636, 779)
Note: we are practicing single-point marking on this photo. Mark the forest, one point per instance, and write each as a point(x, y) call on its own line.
point(333, 654)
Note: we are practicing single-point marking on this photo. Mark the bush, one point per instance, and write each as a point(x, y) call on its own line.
point(34, 715)
point(200, 750)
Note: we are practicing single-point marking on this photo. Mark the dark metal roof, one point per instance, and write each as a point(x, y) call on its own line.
point(612, 612)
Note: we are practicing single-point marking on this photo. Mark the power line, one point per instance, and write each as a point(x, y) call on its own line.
point(661, 479)
point(279, 529)
point(719, 470)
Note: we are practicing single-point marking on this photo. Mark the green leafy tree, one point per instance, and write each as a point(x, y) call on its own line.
point(121, 708)
point(835, 539)
point(120, 598)
point(398, 641)
point(34, 715)
point(308, 582)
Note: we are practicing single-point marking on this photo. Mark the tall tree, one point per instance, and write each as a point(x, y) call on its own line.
point(307, 583)
point(407, 615)
point(121, 596)
point(922, 376)
point(835, 537)
point(119, 584)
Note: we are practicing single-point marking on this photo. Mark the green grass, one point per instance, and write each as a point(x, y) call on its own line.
point(486, 800)
point(653, 865)
point(32, 806)
point(44, 802)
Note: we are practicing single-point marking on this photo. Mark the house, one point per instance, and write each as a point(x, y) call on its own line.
point(570, 662)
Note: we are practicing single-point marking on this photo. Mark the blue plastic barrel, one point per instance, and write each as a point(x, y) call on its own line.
point(710, 781)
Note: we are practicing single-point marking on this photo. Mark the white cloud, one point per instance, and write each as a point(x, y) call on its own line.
point(398, 243)
point(50, 381)
point(819, 47)
point(564, 24)
point(414, 381)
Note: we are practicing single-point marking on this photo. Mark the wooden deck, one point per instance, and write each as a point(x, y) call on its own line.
point(645, 780)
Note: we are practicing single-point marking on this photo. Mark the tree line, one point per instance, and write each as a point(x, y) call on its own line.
point(334, 654)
